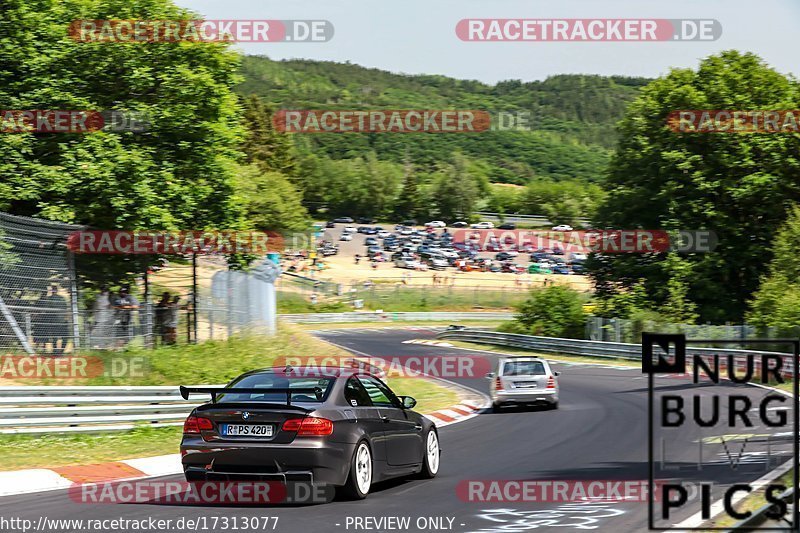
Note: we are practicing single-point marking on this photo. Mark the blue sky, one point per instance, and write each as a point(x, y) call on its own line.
point(418, 36)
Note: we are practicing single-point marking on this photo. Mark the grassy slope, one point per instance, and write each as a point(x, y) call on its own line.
point(572, 117)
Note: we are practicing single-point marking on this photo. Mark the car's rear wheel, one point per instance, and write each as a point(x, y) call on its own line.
point(431, 460)
point(359, 480)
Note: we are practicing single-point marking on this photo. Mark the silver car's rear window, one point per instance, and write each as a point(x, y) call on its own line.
point(277, 381)
point(524, 368)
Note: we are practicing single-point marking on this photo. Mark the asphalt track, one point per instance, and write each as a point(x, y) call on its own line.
point(598, 433)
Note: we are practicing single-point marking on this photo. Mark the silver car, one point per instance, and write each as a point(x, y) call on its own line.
point(523, 380)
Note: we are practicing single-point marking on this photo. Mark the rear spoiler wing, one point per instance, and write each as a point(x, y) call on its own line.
point(214, 391)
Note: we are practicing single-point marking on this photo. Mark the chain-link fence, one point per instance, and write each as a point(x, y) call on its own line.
point(54, 302)
point(38, 289)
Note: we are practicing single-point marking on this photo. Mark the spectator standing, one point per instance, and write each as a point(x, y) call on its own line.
point(52, 325)
point(103, 316)
point(172, 316)
point(126, 306)
point(162, 316)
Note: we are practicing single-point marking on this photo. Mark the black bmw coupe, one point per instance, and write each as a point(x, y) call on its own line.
point(342, 427)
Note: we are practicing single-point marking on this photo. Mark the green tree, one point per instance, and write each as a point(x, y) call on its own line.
point(777, 301)
point(176, 175)
point(409, 201)
point(738, 186)
point(270, 200)
point(562, 202)
point(263, 145)
point(555, 311)
point(458, 187)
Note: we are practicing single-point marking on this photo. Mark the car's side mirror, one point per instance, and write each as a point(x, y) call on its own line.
point(556, 373)
point(408, 402)
point(490, 375)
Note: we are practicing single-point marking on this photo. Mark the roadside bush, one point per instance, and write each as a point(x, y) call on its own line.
point(554, 311)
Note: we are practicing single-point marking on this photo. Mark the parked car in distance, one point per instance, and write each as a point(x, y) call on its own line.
point(483, 225)
point(437, 263)
point(435, 224)
point(370, 241)
point(382, 234)
point(349, 229)
point(365, 220)
point(328, 249)
point(523, 381)
point(346, 237)
point(507, 225)
point(459, 224)
point(562, 227)
point(540, 268)
point(343, 220)
point(403, 260)
point(561, 269)
point(330, 224)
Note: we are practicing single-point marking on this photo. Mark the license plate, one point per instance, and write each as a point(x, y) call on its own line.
point(525, 385)
point(250, 430)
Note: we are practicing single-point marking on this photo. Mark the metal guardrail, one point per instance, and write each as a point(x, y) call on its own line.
point(356, 316)
point(26, 410)
point(611, 350)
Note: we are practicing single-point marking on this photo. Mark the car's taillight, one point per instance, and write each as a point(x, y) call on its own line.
point(195, 424)
point(309, 427)
point(551, 382)
point(498, 385)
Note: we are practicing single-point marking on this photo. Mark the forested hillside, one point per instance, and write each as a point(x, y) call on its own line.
point(572, 117)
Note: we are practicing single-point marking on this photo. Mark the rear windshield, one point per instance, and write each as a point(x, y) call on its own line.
point(269, 381)
point(524, 368)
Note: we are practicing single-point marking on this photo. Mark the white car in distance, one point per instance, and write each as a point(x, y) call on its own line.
point(562, 227)
point(483, 225)
point(435, 224)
